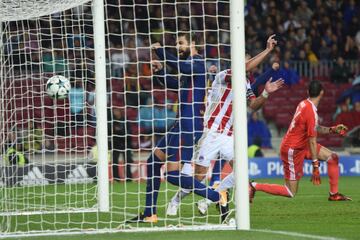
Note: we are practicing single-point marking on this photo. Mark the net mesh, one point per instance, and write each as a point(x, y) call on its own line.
point(56, 190)
point(12, 10)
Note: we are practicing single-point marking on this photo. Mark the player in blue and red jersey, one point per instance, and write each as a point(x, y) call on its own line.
point(176, 148)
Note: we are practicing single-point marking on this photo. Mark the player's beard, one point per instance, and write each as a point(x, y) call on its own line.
point(185, 54)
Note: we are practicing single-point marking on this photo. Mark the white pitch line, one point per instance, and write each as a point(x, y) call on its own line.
point(227, 227)
point(295, 234)
point(166, 229)
point(199, 227)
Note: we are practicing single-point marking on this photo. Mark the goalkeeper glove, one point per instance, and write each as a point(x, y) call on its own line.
point(339, 129)
point(315, 178)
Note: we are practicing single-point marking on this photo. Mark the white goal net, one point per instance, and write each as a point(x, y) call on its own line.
point(49, 151)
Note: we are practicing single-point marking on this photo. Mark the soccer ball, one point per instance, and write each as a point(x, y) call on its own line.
point(58, 87)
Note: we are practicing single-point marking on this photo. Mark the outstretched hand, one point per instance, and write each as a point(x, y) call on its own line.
point(271, 42)
point(340, 129)
point(274, 86)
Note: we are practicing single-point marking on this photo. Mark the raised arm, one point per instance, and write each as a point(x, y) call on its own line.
point(270, 87)
point(312, 132)
point(313, 148)
point(340, 129)
point(255, 61)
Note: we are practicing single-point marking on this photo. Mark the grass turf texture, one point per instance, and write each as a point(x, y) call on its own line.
point(308, 213)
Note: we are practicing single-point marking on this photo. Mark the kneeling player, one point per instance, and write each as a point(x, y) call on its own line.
point(300, 143)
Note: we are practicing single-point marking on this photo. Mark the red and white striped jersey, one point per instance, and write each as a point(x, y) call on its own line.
point(218, 114)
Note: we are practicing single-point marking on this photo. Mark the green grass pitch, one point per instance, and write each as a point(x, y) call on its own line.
point(308, 216)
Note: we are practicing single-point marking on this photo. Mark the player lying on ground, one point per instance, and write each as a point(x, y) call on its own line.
point(217, 137)
point(176, 147)
point(300, 143)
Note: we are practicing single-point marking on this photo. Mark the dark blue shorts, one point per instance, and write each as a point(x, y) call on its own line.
point(179, 145)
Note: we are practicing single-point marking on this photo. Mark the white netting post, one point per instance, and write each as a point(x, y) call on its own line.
point(237, 28)
point(39, 39)
point(101, 105)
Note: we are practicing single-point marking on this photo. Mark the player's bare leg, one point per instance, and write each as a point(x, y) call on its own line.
point(200, 172)
point(173, 166)
point(160, 154)
point(228, 182)
point(332, 160)
point(292, 186)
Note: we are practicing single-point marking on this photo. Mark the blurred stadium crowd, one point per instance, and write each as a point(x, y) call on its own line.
point(317, 40)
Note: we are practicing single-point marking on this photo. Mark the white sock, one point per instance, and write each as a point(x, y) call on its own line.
point(226, 183)
point(180, 195)
point(187, 169)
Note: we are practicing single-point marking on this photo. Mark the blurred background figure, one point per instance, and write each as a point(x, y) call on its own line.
point(341, 73)
point(254, 150)
point(257, 129)
point(119, 133)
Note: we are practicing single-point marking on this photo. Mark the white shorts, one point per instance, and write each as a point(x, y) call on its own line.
point(213, 145)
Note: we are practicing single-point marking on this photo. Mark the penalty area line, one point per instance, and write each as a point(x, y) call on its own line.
point(295, 234)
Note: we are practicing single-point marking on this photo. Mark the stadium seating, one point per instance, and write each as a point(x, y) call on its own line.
point(30, 103)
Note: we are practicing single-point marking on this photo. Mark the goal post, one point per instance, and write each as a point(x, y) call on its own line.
point(48, 171)
point(101, 105)
point(81, 164)
point(237, 28)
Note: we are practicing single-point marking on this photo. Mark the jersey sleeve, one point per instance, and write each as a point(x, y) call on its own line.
point(223, 77)
point(166, 80)
point(310, 118)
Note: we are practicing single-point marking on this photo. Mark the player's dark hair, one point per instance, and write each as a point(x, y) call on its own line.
point(315, 88)
point(190, 37)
